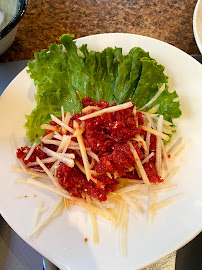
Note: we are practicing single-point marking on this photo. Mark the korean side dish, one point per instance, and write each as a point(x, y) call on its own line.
point(101, 132)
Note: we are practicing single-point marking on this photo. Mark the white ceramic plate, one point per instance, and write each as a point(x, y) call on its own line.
point(63, 239)
point(197, 24)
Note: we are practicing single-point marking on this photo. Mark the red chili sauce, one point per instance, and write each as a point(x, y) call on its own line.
point(85, 240)
point(107, 136)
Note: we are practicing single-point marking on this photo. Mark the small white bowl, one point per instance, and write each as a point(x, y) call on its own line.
point(197, 24)
point(11, 12)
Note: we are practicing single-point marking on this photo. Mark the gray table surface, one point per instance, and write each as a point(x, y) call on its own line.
point(15, 254)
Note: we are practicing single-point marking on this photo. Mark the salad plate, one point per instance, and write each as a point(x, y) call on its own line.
point(62, 241)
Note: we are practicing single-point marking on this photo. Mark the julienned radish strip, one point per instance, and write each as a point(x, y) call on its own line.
point(139, 164)
point(155, 132)
point(107, 110)
point(83, 151)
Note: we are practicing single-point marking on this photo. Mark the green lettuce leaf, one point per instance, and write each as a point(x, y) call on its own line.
point(151, 79)
point(62, 77)
point(113, 76)
point(57, 77)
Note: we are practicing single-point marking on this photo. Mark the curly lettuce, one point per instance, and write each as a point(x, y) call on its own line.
point(62, 77)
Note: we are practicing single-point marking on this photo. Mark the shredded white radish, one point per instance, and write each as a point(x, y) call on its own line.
point(79, 130)
point(93, 220)
point(64, 143)
point(123, 230)
point(107, 110)
point(103, 205)
point(137, 170)
point(67, 118)
point(118, 213)
point(148, 137)
point(150, 120)
point(48, 136)
point(54, 167)
point(60, 123)
point(138, 138)
point(69, 155)
point(131, 203)
point(165, 157)
point(170, 174)
point(152, 201)
point(83, 152)
point(93, 155)
point(68, 161)
point(92, 164)
point(167, 123)
point(176, 150)
point(165, 188)
point(88, 108)
point(62, 113)
point(72, 143)
point(155, 132)
point(153, 99)
point(78, 164)
point(47, 171)
point(166, 202)
point(66, 122)
point(49, 127)
point(159, 146)
point(167, 130)
point(29, 172)
point(48, 218)
point(45, 160)
point(134, 111)
point(31, 151)
point(38, 211)
point(129, 194)
point(54, 142)
point(133, 181)
point(169, 147)
point(167, 127)
point(154, 109)
point(139, 164)
point(148, 158)
point(109, 174)
point(58, 136)
point(104, 213)
point(127, 189)
point(77, 147)
point(116, 175)
point(50, 187)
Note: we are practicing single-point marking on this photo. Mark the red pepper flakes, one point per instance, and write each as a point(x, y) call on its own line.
point(25, 196)
point(168, 156)
point(35, 196)
point(85, 240)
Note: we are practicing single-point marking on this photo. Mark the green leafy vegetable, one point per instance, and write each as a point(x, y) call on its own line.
point(57, 75)
point(151, 79)
point(62, 76)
